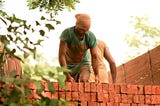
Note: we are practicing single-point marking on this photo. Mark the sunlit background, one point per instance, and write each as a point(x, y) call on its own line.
point(110, 22)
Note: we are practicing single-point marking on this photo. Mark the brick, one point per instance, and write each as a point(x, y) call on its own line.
point(100, 97)
point(81, 87)
point(111, 97)
point(110, 104)
point(155, 99)
point(141, 99)
point(123, 88)
point(132, 89)
point(62, 95)
point(147, 99)
point(124, 98)
point(74, 87)
point(68, 86)
point(55, 95)
point(81, 96)
point(102, 104)
point(124, 104)
point(87, 96)
point(136, 99)
point(87, 87)
point(68, 96)
point(106, 97)
point(133, 104)
point(148, 89)
point(92, 104)
point(155, 89)
point(130, 98)
point(105, 88)
point(140, 89)
point(93, 87)
point(117, 88)
point(111, 89)
point(93, 96)
point(99, 87)
point(75, 95)
point(117, 98)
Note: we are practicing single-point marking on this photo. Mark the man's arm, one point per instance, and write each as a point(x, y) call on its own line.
point(62, 59)
point(112, 64)
point(95, 62)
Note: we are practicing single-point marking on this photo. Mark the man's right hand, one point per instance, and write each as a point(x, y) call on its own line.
point(69, 79)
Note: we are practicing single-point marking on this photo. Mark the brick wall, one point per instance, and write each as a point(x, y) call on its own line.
point(92, 94)
point(144, 69)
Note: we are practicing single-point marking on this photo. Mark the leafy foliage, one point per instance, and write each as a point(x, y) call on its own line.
point(52, 5)
point(144, 36)
point(18, 37)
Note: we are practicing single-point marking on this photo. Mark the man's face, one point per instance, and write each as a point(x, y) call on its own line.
point(80, 33)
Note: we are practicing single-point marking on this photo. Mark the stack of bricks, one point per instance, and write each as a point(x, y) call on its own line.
point(92, 94)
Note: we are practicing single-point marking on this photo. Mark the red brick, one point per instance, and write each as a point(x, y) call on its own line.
point(141, 99)
point(87, 96)
point(123, 88)
point(68, 96)
point(93, 87)
point(68, 86)
point(92, 104)
point(106, 97)
point(62, 95)
point(93, 96)
point(105, 88)
point(124, 98)
point(55, 95)
point(81, 87)
point(99, 88)
point(117, 98)
point(136, 99)
point(74, 87)
point(117, 88)
point(111, 97)
point(110, 104)
point(111, 89)
point(100, 96)
point(124, 104)
point(81, 96)
point(132, 89)
point(148, 89)
point(155, 99)
point(140, 89)
point(133, 104)
point(147, 99)
point(87, 87)
point(155, 89)
point(130, 98)
point(75, 95)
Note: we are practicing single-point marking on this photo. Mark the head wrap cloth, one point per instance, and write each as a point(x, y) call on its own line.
point(83, 21)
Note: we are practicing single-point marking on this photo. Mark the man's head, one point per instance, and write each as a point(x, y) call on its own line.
point(83, 21)
point(83, 24)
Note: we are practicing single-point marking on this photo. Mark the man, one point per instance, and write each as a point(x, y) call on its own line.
point(104, 53)
point(74, 44)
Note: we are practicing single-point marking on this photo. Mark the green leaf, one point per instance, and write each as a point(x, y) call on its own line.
point(50, 87)
point(50, 27)
point(42, 33)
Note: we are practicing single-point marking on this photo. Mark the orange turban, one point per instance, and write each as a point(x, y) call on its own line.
point(83, 21)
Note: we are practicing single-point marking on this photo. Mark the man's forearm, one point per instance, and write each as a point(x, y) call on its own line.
point(113, 72)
